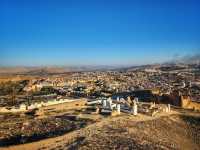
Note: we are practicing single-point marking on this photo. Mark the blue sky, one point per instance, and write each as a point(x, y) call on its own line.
point(97, 32)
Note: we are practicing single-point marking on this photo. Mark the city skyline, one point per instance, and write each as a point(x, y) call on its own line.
point(48, 33)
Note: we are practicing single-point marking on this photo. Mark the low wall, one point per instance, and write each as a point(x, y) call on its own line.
point(189, 104)
point(24, 108)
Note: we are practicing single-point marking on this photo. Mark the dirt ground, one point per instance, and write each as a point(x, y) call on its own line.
point(177, 130)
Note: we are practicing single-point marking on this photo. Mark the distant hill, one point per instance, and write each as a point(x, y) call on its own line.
point(51, 70)
point(181, 63)
point(32, 70)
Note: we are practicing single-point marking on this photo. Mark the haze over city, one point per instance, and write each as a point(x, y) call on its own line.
point(97, 32)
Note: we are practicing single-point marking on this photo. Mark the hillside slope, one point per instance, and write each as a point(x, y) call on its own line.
point(171, 132)
point(129, 132)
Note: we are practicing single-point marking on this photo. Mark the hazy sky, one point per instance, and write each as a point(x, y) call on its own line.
point(97, 32)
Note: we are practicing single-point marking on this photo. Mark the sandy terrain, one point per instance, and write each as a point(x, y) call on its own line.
point(166, 131)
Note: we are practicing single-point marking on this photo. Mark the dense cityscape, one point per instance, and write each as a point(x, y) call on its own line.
point(59, 102)
point(163, 80)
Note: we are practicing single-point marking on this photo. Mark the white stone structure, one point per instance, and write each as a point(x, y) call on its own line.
point(24, 108)
point(104, 103)
point(94, 102)
point(109, 103)
point(135, 109)
point(136, 99)
point(169, 108)
point(118, 108)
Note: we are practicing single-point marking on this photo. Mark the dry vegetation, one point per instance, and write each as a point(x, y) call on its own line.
point(175, 131)
point(22, 129)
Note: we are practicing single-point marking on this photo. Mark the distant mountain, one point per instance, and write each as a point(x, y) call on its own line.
point(11, 70)
point(51, 70)
point(141, 67)
point(32, 70)
point(181, 63)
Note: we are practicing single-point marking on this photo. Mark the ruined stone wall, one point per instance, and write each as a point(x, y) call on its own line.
point(186, 102)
